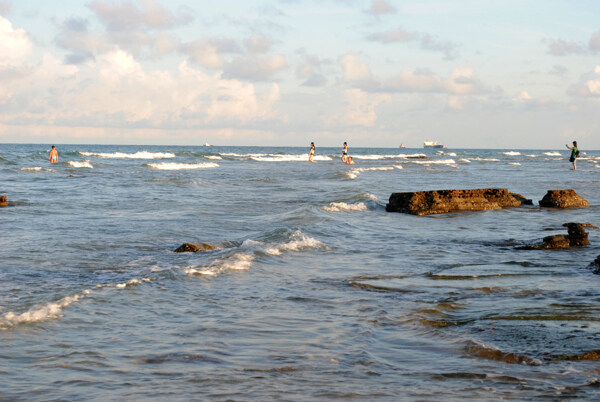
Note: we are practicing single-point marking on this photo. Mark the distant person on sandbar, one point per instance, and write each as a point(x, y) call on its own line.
point(53, 155)
point(574, 154)
point(311, 153)
point(349, 161)
point(345, 152)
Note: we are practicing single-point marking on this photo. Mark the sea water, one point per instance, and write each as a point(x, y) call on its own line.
point(313, 290)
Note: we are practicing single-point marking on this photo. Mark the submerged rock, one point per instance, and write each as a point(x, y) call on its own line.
point(593, 355)
point(563, 199)
point(577, 237)
point(596, 265)
point(194, 247)
point(444, 201)
point(3, 201)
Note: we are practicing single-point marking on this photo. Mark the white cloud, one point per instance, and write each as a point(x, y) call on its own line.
point(415, 81)
point(588, 85)
point(381, 7)
point(15, 44)
point(360, 107)
point(125, 15)
point(463, 81)
point(425, 41)
point(254, 67)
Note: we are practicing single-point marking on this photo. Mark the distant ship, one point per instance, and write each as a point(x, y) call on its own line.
point(402, 146)
point(432, 144)
point(206, 144)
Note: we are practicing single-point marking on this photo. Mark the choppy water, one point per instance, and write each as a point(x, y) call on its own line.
point(313, 291)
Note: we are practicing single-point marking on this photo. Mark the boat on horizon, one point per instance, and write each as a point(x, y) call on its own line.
point(402, 146)
point(206, 144)
point(432, 144)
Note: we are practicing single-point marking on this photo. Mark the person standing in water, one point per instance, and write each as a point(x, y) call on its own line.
point(311, 153)
point(53, 155)
point(574, 154)
point(345, 152)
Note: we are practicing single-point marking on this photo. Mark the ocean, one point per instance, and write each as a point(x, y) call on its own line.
point(313, 290)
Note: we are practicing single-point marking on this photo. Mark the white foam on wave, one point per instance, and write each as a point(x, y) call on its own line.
point(83, 164)
point(512, 153)
point(288, 158)
point(213, 157)
point(353, 174)
point(479, 159)
point(465, 160)
point(342, 206)
point(397, 156)
point(182, 166)
point(236, 262)
point(32, 169)
point(40, 313)
point(399, 166)
point(137, 155)
point(434, 162)
point(552, 153)
point(515, 163)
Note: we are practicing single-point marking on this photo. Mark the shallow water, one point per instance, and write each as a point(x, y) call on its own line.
point(313, 290)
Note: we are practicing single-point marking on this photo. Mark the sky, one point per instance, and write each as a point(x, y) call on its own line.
point(376, 73)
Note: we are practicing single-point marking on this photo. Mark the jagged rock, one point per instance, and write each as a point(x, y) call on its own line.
point(593, 355)
point(563, 199)
point(549, 243)
point(3, 201)
point(585, 225)
point(444, 201)
point(577, 237)
point(596, 265)
point(194, 247)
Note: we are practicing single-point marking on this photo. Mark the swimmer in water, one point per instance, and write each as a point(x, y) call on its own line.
point(53, 155)
point(345, 152)
point(311, 153)
point(349, 161)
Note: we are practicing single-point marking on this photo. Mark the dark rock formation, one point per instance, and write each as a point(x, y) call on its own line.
point(563, 199)
point(593, 355)
point(194, 247)
point(577, 237)
point(3, 201)
point(444, 201)
point(585, 225)
point(596, 265)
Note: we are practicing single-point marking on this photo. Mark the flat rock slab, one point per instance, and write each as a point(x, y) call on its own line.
point(563, 199)
point(445, 201)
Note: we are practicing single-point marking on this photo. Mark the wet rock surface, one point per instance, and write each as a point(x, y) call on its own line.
point(445, 201)
point(3, 201)
point(194, 247)
point(596, 265)
point(563, 199)
point(577, 237)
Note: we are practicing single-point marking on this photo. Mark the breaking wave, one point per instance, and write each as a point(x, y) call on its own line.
point(512, 153)
point(137, 155)
point(552, 153)
point(32, 169)
point(84, 164)
point(182, 166)
point(342, 206)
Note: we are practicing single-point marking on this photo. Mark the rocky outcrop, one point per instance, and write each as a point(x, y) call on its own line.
point(444, 201)
point(596, 265)
point(194, 247)
point(563, 199)
point(577, 237)
point(3, 201)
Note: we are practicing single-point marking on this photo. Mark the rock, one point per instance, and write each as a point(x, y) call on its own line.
point(578, 237)
point(593, 355)
point(444, 201)
point(549, 243)
point(3, 201)
point(194, 247)
point(596, 265)
point(563, 199)
point(585, 225)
